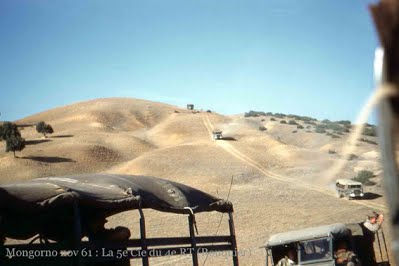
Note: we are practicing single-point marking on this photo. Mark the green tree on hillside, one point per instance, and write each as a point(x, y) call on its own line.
point(15, 143)
point(364, 177)
point(8, 130)
point(370, 131)
point(44, 128)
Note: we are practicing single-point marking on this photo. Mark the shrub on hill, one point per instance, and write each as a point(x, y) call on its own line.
point(15, 143)
point(279, 115)
point(352, 156)
point(364, 177)
point(299, 126)
point(306, 119)
point(370, 131)
point(283, 122)
point(295, 131)
point(310, 123)
point(254, 114)
point(344, 122)
point(8, 130)
point(333, 126)
point(368, 141)
point(292, 122)
point(44, 128)
point(332, 135)
point(320, 129)
point(262, 128)
point(272, 119)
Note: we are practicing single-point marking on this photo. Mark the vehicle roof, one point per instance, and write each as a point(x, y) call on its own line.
point(348, 182)
point(333, 230)
point(108, 192)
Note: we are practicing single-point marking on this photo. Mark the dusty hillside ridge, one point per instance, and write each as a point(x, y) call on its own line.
point(280, 177)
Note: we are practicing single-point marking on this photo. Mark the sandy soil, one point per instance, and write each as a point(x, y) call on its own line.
point(281, 179)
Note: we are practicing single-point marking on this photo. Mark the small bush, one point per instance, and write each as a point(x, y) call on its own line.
point(307, 127)
point(320, 130)
point(299, 126)
point(269, 113)
point(262, 120)
point(352, 156)
point(368, 141)
point(272, 119)
point(333, 126)
point(254, 114)
point(208, 111)
point(295, 131)
point(364, 177)
point(8, 130)
point(44, 128)
point(292, 122)
point(15, 143)
point(310, 123)
point(279, 115)
point(325, 121)
point(370, 131)
point(306, 119)
point(333, 135)
point(344, 122)
point(331, 152)
point(283, 122)
point(262, 128)
point(308, 131)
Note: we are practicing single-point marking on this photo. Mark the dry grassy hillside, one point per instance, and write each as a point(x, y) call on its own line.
point(281, 178)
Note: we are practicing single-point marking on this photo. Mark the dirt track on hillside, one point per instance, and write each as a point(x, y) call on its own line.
point(237, 154)
point(272, 171)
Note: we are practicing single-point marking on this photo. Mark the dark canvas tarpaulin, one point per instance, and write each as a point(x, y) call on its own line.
point(45, 204)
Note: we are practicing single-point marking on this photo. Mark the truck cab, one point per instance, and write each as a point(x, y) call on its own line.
point(321, 246)
point(349, 188)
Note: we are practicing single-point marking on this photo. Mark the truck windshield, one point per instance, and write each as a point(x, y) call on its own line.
point(355, 186)
point(316, 250)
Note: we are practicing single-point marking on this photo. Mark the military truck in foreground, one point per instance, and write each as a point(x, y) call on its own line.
point(323, 245)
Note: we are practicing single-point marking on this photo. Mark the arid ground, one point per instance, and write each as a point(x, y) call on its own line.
point(280, 180)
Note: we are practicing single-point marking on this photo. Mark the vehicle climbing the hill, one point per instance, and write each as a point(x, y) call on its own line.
point(349, 188)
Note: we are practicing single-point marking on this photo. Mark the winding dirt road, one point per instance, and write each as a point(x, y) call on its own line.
point(269, 174)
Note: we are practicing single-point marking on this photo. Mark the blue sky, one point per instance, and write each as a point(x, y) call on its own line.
point(308, 57)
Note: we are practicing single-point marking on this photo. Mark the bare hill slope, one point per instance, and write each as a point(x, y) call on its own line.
point(280, 177)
